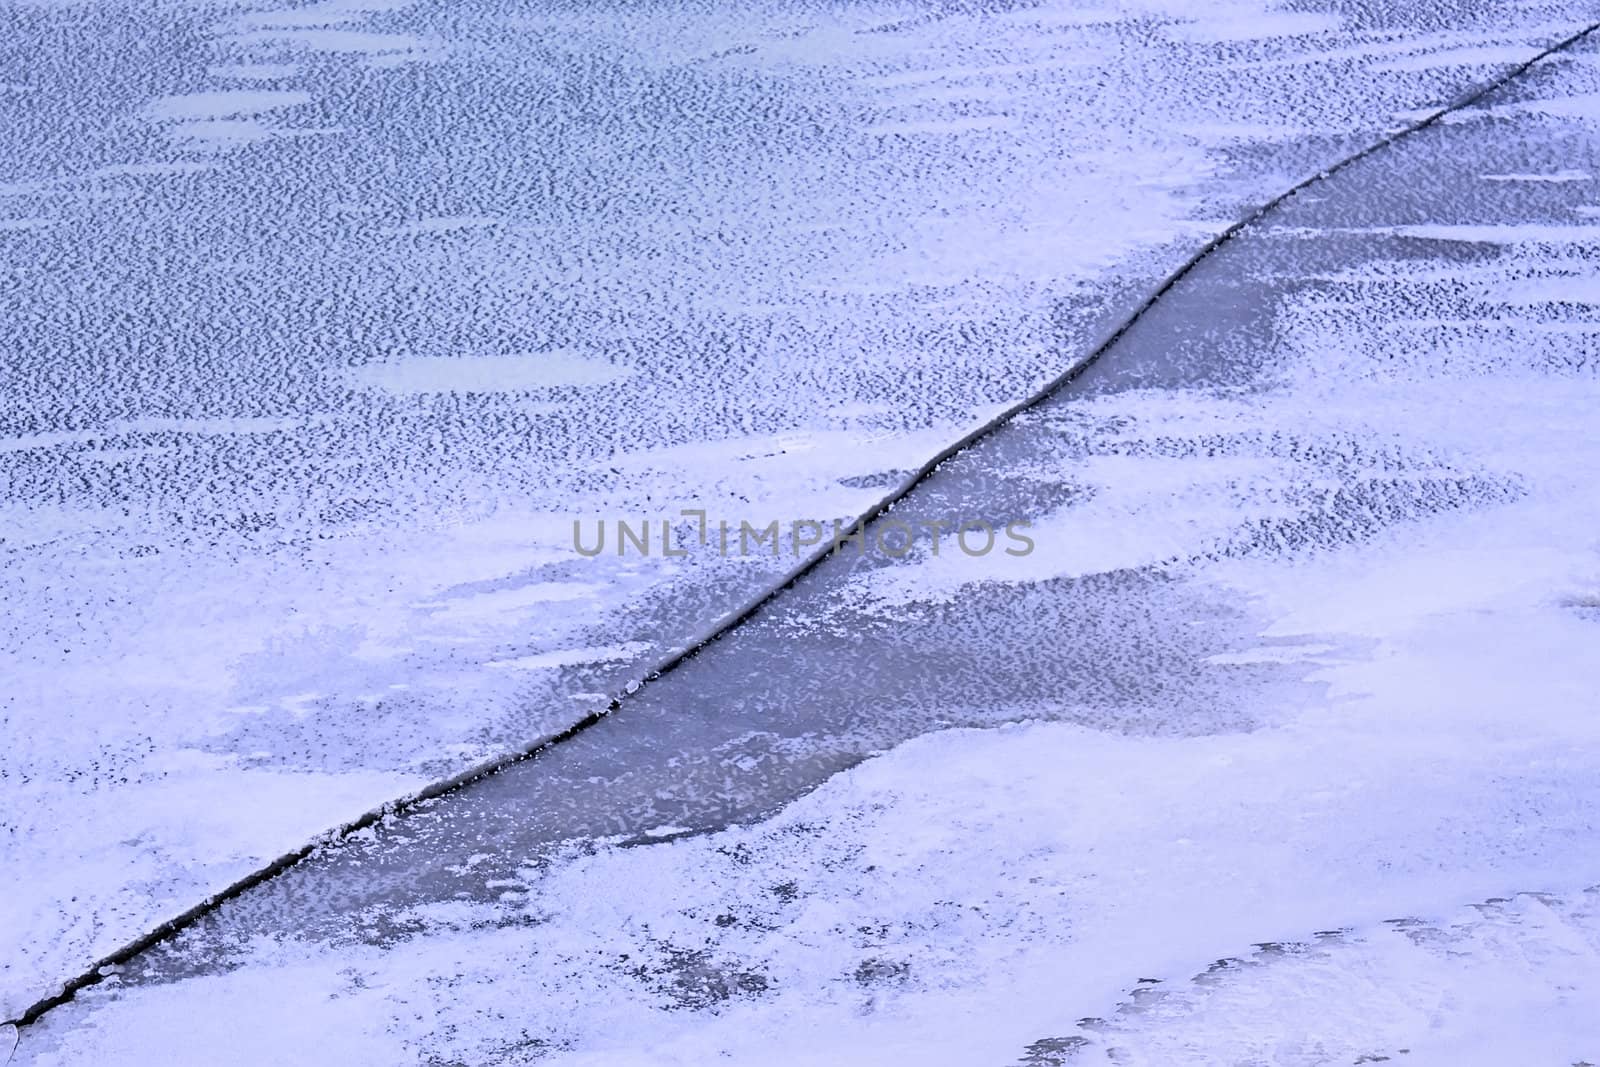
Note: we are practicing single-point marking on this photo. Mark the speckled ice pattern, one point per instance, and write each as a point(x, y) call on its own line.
point(323, 323)
point(1396, 863)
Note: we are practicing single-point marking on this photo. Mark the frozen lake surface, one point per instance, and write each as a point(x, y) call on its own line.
point(324, 324)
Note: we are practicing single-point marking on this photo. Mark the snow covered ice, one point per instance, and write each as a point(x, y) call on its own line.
point(323, 324)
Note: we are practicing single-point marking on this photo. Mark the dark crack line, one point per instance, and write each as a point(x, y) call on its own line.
point(107, 965)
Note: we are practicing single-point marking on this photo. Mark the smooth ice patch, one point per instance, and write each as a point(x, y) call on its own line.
point(1472, 56)
point(224, 104)
point(1246, 23)
point(488, 374)
point(489, 606)
point(571, 657)
point(1557, 176)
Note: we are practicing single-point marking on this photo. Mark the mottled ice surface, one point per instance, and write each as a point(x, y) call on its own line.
point(322, 324)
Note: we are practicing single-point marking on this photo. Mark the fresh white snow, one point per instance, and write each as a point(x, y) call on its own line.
point(255, 573)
